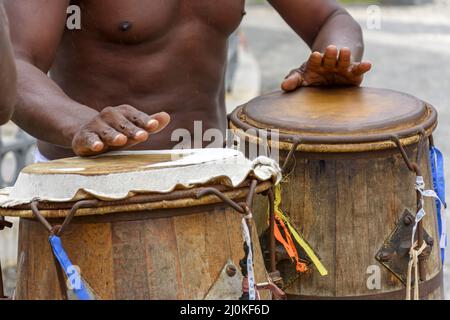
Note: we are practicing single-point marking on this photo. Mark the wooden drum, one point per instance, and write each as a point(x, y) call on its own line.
point(146, 225)
point(350, 187)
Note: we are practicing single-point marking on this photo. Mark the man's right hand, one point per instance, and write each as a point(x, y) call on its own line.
point(115, 128)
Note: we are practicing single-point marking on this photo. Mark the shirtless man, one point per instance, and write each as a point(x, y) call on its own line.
point(7, 71)
point(135, 58)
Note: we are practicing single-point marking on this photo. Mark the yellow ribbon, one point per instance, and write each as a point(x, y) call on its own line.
point(308, 250)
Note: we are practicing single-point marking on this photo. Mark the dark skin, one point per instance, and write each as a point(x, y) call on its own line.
point(132, 59)
point(7, 71)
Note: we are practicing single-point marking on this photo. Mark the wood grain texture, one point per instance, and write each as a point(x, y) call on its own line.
point(346, 208)
point(167, 258)
point(164, 270)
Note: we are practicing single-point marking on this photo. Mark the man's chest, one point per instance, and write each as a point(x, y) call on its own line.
point(142, 20)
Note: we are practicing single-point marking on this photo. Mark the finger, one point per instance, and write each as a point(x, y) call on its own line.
point(361, 68)
point(315, 60)
point(114, 118)
point(330, 58)
point(87, 143)
point(138, 118)
point(127, 128)
point(158, 122)
point(110, 136)
point(344, 60)
point(292, 82)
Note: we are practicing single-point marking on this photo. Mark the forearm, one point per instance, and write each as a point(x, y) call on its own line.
point(7, 71)
point(44, 110)
point(341, 30)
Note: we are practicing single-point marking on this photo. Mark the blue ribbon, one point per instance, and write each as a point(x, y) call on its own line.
point(437, 170)
point(69, 269)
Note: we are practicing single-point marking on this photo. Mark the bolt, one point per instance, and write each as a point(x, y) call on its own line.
point(231, 270)
point(385, 256)
point(408, 219)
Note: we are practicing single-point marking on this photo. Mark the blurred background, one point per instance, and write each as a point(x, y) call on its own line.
point(408, 42)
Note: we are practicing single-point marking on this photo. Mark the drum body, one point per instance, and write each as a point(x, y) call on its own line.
point(349, 191)
point(139, 225)
point(175, 253)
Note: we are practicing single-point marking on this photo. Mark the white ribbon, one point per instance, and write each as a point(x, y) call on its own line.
point(420, 187)
point(250, 270)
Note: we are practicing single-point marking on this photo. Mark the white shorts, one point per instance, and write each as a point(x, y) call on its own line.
point(38, 157)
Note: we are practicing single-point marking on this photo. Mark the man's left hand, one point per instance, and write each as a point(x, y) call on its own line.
point(331, 68)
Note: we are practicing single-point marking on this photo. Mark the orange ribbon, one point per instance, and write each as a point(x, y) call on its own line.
point(288, 245)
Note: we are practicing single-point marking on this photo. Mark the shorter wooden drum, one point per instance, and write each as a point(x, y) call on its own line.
point(135, 243)
point(351, 191)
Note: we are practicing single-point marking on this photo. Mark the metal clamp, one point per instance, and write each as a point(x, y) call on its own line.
point(57, 230)
point(239, 207)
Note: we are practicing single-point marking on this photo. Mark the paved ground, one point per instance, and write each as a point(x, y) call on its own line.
point(410, 53)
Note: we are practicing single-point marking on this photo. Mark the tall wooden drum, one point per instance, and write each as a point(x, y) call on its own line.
point(142, 225)
point(354, 188)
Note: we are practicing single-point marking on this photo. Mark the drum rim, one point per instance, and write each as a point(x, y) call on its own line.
point(336, 143)
point(177, 199)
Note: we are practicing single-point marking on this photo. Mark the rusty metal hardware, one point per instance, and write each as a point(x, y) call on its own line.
point(290, 155)
point(221, 196)
point(272, 242)
point(226, 287)
point(414, 167)
point(73, 211)
point(231, 270)
point(394, 254)
point(243, 208)
point(137, 199)
point(58, 229)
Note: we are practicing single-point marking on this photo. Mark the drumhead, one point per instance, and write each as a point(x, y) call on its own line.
point(122, 175)
point(337, 119)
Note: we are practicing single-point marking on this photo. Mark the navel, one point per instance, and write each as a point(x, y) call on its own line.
point(125, 26)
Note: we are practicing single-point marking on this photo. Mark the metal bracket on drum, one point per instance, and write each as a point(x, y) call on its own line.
point(245, 208)
point(394, 254)
point(3, 224)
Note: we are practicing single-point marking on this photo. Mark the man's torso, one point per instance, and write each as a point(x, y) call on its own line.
point(156, 55)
